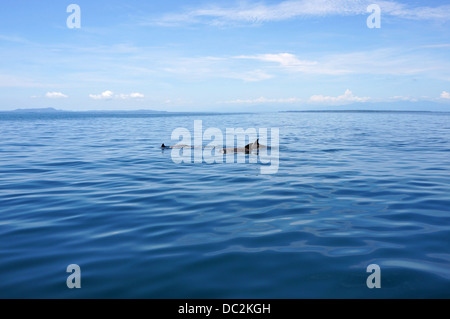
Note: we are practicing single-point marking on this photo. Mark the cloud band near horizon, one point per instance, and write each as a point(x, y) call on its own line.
point(347, 98)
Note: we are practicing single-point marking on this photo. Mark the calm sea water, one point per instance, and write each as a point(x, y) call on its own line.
point(352, 189)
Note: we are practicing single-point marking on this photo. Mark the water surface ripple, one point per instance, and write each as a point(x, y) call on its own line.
point(352, 189)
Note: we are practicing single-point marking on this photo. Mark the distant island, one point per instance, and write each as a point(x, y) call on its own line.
point(53, 110)
point(40, 110)
point(354, 111)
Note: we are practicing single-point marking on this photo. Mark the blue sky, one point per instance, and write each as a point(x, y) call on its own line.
point(224, 55)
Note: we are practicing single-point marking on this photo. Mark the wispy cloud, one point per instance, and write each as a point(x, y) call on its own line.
point(270, 65)
point(437, 46)
point(257, 12)
point(201, 68)
point(292, 63)
point(381, 61)
point(14, 38)
point(405, 11)
point(286, 60)
point(249, 76)
point(7, 80)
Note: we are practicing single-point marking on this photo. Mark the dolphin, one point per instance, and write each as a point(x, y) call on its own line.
point(175, 146)
point(247, 149)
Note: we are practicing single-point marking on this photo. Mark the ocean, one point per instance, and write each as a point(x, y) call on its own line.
point(352, 189)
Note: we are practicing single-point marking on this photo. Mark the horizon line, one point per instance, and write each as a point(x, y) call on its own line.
point(52, 110)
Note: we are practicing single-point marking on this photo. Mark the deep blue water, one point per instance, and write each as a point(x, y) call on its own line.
point(352, 189)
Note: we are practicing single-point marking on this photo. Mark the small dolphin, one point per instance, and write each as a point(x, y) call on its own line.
point(247, 149)
point(175, 146)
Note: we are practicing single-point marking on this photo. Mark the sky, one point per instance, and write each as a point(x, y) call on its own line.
point(209, 55)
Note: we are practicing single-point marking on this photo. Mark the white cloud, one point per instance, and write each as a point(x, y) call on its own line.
point(445, 95)
point(346, 98)
point(130, 96)
point(136, 95)
point(55, 95)
point(106, 95)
